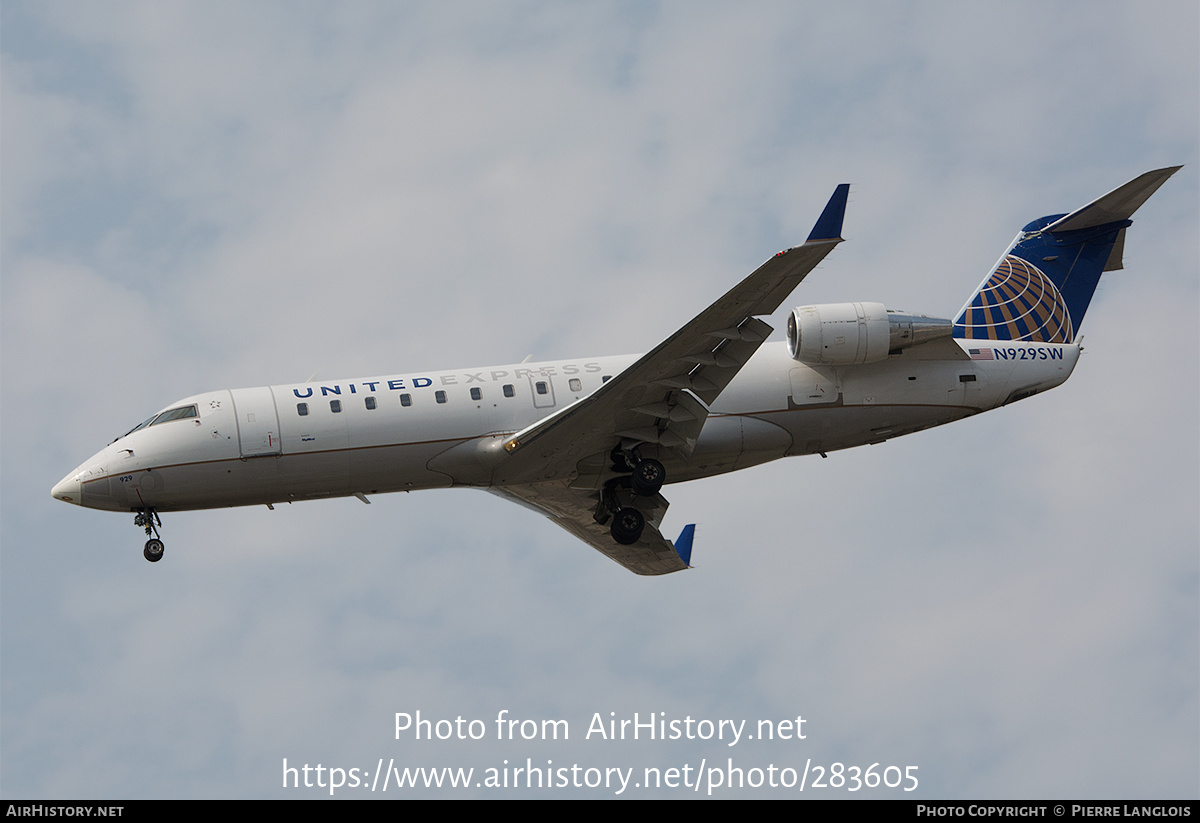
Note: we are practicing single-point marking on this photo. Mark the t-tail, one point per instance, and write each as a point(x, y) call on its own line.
point(1041, 288)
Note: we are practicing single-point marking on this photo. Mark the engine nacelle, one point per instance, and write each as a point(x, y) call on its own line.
point(845, 334)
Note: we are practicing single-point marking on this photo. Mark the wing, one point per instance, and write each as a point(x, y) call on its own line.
point(573, 510)
point(562, 464)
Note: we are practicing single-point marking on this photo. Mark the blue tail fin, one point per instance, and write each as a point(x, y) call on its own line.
point(1043, 284)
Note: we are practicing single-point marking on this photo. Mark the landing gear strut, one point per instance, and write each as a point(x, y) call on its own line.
point(627, 522)
point(148, 519)
point(641, 476)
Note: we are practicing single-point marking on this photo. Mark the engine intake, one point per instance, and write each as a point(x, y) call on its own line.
point(844, 334)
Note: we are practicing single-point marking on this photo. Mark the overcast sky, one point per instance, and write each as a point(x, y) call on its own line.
point(207, 195)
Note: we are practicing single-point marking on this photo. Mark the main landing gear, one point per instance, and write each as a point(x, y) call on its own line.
point(648, 477)
point(645, 479)
point(627, 526)
point(148, 519)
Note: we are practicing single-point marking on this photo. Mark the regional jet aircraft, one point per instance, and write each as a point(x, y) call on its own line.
point(590, 442)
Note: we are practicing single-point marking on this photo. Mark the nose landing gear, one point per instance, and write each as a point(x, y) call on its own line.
point(153, 551)
point(149, 520)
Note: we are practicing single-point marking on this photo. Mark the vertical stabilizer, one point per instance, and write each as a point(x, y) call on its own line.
point(1041, 288)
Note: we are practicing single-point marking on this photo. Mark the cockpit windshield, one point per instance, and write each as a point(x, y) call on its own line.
point(175, 414)
point(181, 413)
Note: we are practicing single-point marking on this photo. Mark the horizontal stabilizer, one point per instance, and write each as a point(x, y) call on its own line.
point(1119, 204)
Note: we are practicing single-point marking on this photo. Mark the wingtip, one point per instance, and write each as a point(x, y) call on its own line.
point(683, 545)
point(829, 224)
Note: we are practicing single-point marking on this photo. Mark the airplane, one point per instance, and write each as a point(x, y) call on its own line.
point(590, 442)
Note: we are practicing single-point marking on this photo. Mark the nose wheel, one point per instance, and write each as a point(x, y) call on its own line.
point(154, 550)
point(149, 520)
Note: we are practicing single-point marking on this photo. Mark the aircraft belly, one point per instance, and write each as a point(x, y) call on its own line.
point(238, 482)
point(731, 442)
point(763, 441)
point(819, 430)
point(396, 468)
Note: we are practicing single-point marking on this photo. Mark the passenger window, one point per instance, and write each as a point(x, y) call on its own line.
point(575, 384)
point(335, 406)
point(406, 400)
point(476, 394)
point(509, 391)
point(370, 401)
point(439, 396)
point(541, 387)
point(302, 409)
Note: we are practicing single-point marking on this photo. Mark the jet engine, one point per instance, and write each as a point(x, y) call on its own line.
point(844, 334)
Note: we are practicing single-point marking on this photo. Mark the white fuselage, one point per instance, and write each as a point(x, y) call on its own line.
point(433, 429)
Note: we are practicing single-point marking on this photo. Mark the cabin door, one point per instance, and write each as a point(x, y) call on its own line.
point(257, 422)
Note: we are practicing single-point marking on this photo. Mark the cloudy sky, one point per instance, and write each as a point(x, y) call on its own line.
point(207, 195)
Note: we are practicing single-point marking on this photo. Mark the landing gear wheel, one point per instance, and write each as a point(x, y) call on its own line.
point(147, 518)
point(153, 551)
point(648, 477)
point(627, 526)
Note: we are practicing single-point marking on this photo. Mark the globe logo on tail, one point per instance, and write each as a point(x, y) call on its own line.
point(1018, 302)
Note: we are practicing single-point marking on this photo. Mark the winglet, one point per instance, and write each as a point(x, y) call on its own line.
point(829, 224)
point(683, 545)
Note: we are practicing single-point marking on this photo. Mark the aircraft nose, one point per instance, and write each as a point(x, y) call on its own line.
point(69, 489)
